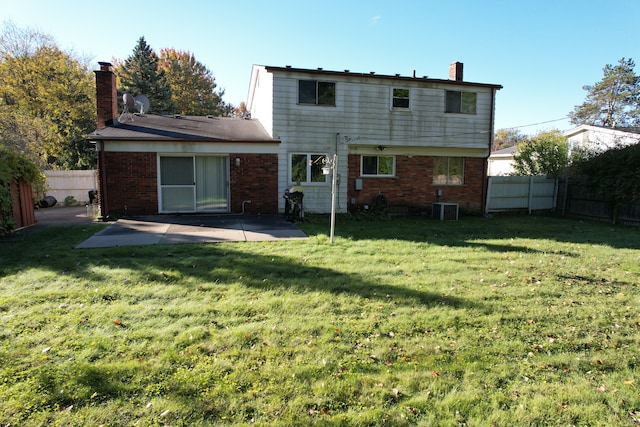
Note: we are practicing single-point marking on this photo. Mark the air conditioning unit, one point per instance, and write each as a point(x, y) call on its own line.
point(445, 211)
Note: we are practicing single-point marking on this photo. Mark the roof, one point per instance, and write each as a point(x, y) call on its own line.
point(183, 128)
point(587, 128)
point(372, 75)
point(505, 152)
point(509, 150)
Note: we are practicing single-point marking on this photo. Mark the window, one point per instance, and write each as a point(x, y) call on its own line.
point(400, 98)
point(461, 102)
point(448, 171)
point(378, 165)
point(314, 92)
point(307, 168)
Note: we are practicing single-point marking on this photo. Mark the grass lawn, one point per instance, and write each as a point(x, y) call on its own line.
point(523, 320)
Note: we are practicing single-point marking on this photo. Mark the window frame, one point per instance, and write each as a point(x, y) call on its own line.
point(449, 181)
point(400, 98)
point(457, 107)
point(377, 174)
point(317, 96)
point(313, 165)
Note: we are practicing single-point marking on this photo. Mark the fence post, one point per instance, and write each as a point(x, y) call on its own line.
point(556, 186)
point(530, 202)
point(486, 208)
point(565, 196)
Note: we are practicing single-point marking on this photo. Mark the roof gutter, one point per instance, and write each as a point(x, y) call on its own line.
point(373, 75)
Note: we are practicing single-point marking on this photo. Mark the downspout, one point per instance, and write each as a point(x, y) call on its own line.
point(486, 160)
point(103, 189)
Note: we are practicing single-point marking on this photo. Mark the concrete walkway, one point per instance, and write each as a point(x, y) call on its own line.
point(174, 229)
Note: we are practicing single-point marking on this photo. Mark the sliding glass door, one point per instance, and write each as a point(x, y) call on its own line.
point(194, 184)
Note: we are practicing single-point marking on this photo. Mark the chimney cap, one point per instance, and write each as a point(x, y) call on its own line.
point(105, 66)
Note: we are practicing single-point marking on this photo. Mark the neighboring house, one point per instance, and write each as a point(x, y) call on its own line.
point(151, 164)
point(501, 162)
point(592, 138)
point(597, 138)
point(416, 140)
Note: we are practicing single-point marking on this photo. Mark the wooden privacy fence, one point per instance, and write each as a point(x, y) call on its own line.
point(22, 204)
point(578, 196)
point(507, 193)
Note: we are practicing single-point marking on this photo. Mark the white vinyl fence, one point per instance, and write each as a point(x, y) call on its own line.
point(76, 183)
point(505, 193)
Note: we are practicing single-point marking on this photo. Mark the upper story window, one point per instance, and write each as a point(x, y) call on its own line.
point(448, 171)
point(461, 102)
point(378, 165)
point(400, 98)
point(314, 92)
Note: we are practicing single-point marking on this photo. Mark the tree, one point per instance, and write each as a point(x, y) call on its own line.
point(544, 154)
point(193, 87)
point(47, 101)
point(505, 138)
point(140, 75)
point(242, 110)
point(612, 102)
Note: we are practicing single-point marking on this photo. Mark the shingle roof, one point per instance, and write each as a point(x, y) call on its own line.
point(183, 128)
point(505, 151)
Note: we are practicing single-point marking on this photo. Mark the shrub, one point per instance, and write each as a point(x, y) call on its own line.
point(14, 166)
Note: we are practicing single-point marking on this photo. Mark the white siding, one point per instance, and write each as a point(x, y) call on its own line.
point(599, 139)
point(363, 113)
point(260, 101)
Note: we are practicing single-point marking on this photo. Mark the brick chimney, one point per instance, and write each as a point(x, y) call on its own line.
point(106, 95)
point(455, 71)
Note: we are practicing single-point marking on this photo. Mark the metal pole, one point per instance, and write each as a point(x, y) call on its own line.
point(334, 167)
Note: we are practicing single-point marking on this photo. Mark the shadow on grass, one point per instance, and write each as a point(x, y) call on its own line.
point(469, 229)
point(53, 249)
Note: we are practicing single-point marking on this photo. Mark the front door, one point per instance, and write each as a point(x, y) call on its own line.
point(194, 184)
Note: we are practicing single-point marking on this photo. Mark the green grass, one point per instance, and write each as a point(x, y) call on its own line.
point(506, 321)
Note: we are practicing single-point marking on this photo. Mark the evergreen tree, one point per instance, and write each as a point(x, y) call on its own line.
point(193, 87)
point(140, 75)
point(612, 102)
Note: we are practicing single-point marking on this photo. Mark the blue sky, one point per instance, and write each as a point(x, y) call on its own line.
point(543, 52)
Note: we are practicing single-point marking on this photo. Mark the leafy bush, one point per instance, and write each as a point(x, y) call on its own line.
point(14, 166)
point(616, 172)
point(543, 154)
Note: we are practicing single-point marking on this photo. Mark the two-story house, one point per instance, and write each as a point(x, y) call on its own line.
point(414, 139)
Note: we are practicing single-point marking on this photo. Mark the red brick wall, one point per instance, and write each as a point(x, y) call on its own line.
point(255, 179)
point(413, 188)
point(132, 179)
point(131, 183)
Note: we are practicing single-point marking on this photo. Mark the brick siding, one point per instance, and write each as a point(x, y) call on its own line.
point(256, 179)
point(132, 183)
point(412, 187)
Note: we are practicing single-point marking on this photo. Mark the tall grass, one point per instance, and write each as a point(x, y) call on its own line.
point(504, 321)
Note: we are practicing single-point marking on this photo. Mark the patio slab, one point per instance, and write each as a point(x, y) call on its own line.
point(177, 229)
